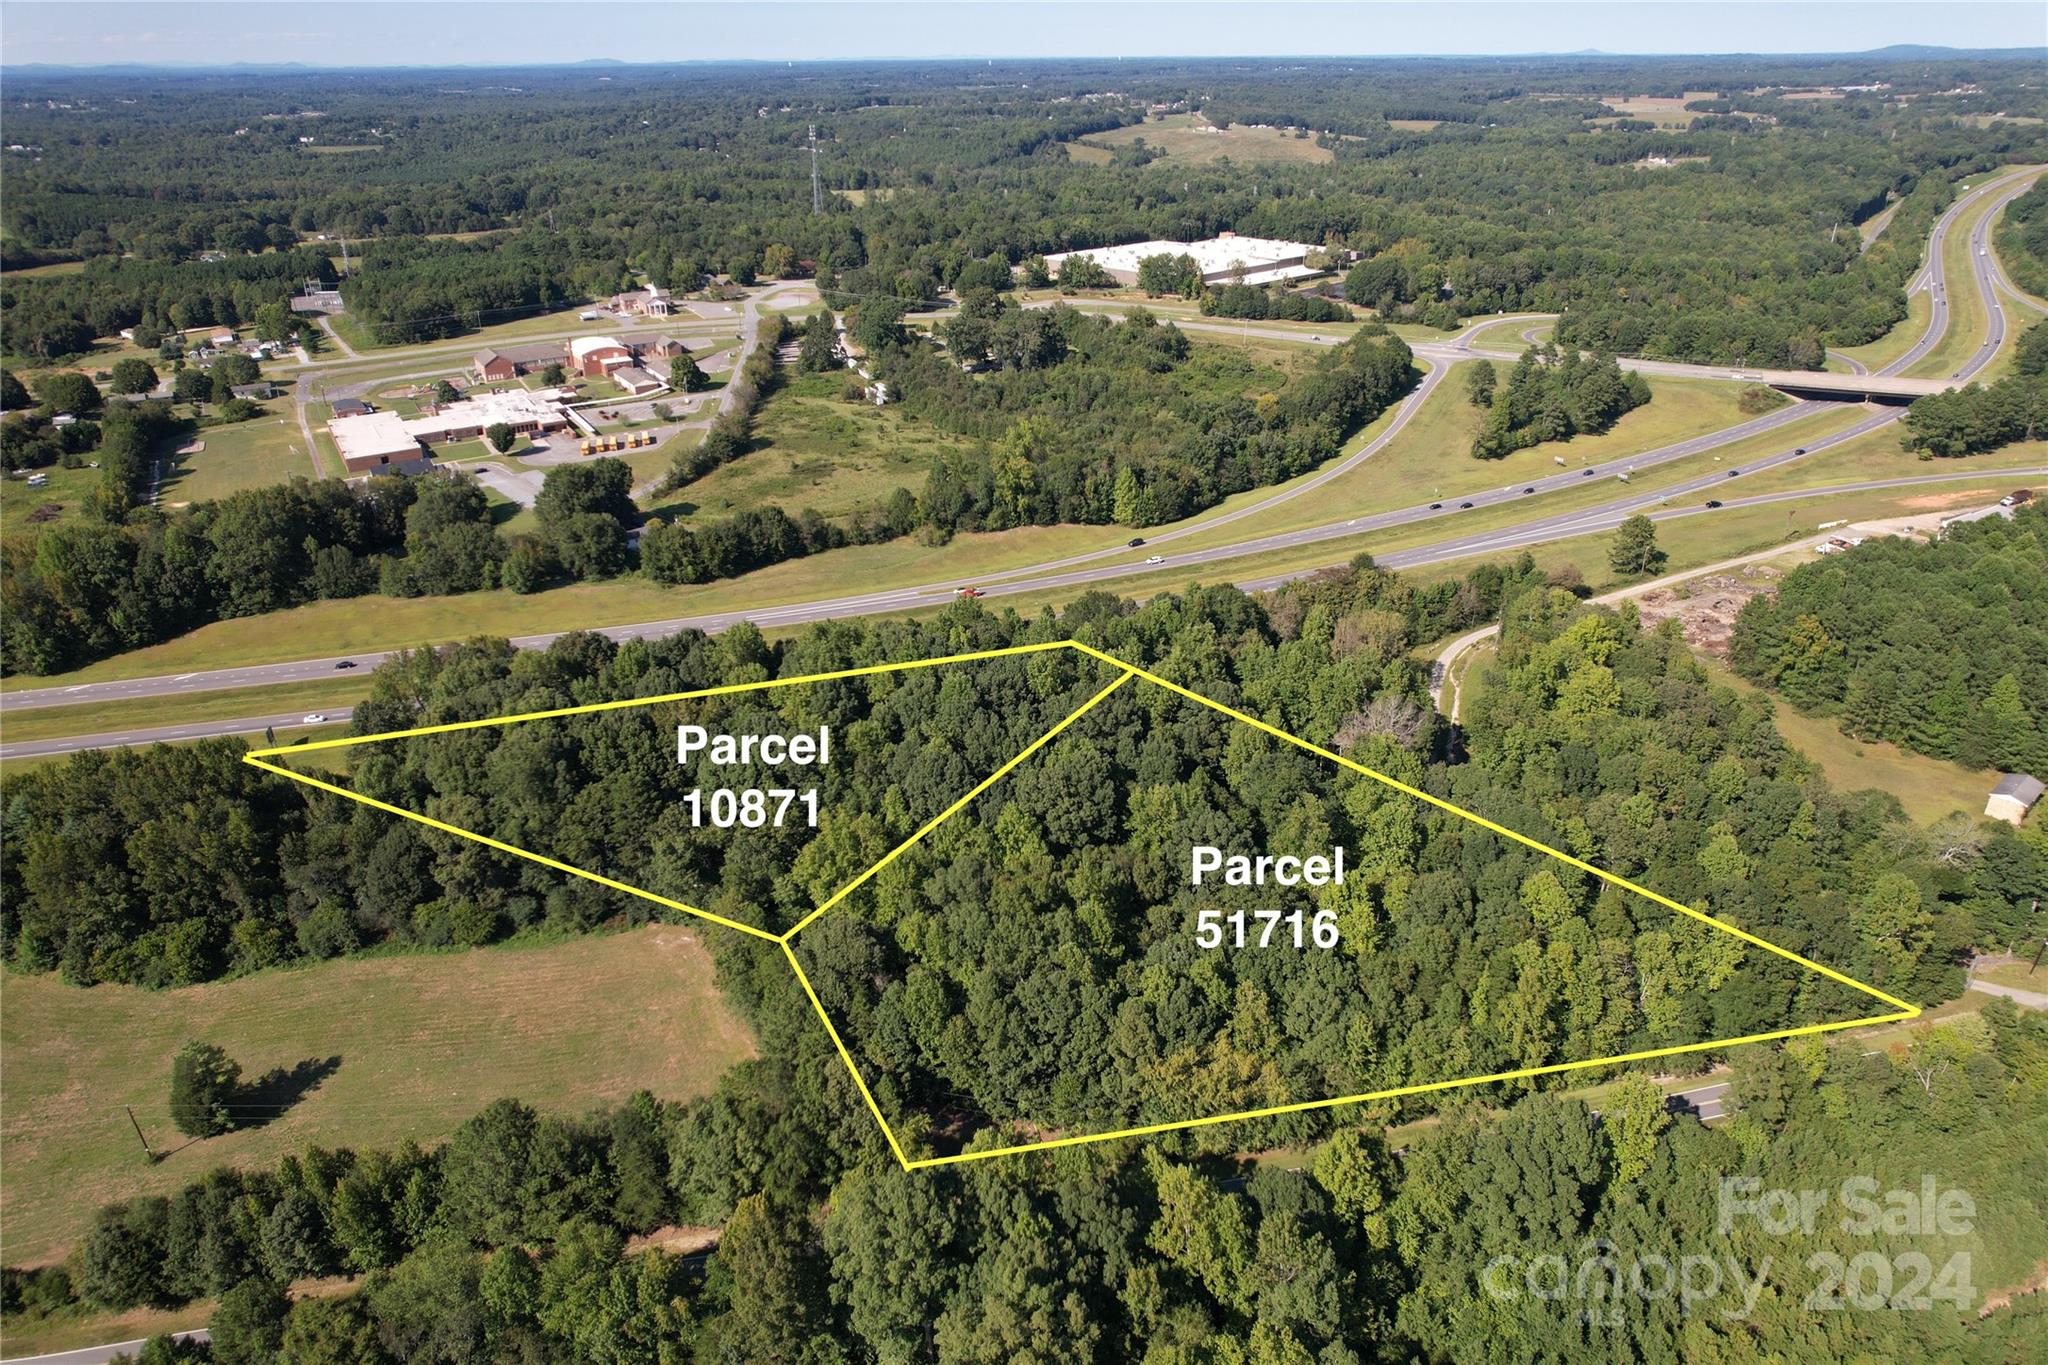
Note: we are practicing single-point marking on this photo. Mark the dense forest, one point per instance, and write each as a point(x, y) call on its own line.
point(1087, 418)
point(510, 1240)
point(1641, 766)
point(1941, 648)
point(1736, 245)
point(2023, 240)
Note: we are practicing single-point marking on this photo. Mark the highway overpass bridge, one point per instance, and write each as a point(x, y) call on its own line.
point(1826, 384)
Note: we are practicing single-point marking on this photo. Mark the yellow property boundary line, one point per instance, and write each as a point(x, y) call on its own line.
point(1898, 1009)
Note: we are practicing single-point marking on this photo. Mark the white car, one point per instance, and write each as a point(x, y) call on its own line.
point(316, 718)
point(1155, 559)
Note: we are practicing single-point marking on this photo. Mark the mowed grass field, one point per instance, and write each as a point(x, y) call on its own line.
point(1193, 139)
point(416, 1044)
point(262, 450)
point(67, 489)
point(1668, 112)
point(1929, 788)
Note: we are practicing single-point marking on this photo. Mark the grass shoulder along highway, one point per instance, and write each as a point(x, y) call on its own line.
point(403, 1046)
point(110, 717)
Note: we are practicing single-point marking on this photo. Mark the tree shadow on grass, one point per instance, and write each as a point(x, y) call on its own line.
point(270, 1095)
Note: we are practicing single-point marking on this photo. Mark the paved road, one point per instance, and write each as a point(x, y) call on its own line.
point(99, 1355)
point(1518, 537)
point(1933, 276)
point(1084, 570)
point(1707, 1101)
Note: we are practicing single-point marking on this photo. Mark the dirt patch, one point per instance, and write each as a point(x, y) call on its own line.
point(2004, 1298)
point(1941, 502)
point(1706, 608)
point(676, 1241)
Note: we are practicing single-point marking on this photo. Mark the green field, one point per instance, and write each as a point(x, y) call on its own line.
point(1929, 788)
point(815, 449)
point(1507, 336)
point(67, 488)
point(262, 450)
point(352, 330)
point(422, 1041)
point(1191, 138)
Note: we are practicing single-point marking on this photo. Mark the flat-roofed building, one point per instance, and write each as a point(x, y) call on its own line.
point(1220, 259)
point(374, 442)
point(524, 412)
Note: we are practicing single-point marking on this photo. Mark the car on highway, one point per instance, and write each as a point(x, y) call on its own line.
point(1733, 472)
point(1436, 507)
point(315, 718)
point(967, 592)
point(1464, 507)
point(1713, 502)
point(1155, 559)
point(1585, 473)
point(345, 663)
point(1799, 450)
point(1136, 541)
point(1530, 489)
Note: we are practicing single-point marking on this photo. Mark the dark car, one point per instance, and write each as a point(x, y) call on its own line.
point(1585, 473)
point(1530, 489)
point(1733, 472)
point(346, 663)
point(1801, 450)
point(1464, 506)
point(1436, 507)
point(1713, 502)
point(1136, 541)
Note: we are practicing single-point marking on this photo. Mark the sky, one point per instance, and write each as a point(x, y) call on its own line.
point(498, 32)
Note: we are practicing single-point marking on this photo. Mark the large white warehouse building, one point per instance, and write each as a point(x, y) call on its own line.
point(1222, 258)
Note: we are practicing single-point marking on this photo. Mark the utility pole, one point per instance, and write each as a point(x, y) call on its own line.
point(140, 1138)
point(817, 197)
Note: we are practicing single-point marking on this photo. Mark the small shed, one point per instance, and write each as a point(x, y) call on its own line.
point(2013, 797)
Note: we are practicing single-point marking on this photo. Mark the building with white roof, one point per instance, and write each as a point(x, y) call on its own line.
point(1221, 259)
point(374, 442)
point(383, 441)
